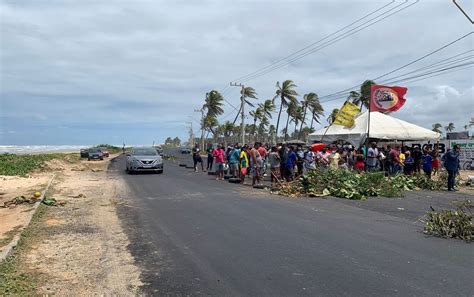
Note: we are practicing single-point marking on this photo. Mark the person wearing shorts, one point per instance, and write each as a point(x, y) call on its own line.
point(197, 158)
point(219, 156)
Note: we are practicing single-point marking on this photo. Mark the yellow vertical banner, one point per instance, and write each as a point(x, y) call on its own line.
point(347, 113)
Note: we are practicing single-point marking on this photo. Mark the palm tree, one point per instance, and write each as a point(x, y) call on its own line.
point(286, 93)
point(227, 130)
point(297, 117)
point(436, 127)
point(257, 115)
point(332, 117)
point(309, 100)
point(365, 93)
point(292, 110)
point(354, 97)
point(317, 112)
point(248, 92)
point(210, 124)
point(449, 128)
point(272, 132)
point(267, 108)
point(213, 103)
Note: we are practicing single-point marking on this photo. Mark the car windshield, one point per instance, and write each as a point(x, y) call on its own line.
point(144, 152)
point(95, 150)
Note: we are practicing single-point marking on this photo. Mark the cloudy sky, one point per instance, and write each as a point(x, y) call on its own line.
point(85, 72)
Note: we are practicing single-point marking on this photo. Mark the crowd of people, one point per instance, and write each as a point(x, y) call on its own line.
point(287, 162)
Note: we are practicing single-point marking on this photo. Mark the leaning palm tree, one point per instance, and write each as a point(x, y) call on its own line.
point(247, 92)
point(213, 103)
point(437, 127)
point(332, 117)
point(286, 93)
point(317, 111)
point(450, 127)
point(267, 108)
point(309, 100)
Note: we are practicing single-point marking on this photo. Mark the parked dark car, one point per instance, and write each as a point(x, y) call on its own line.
point(95, 154)
point(84, 153)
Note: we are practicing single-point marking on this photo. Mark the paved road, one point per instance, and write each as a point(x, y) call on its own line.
point(196, 236)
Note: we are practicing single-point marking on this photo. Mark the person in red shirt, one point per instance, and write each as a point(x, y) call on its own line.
point(262, 150)
point(219, 157)
point(395, 157)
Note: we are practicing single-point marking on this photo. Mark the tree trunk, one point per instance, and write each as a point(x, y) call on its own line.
point(312, 120)
point(286, 127)
point(304, 119)
point(278, 120)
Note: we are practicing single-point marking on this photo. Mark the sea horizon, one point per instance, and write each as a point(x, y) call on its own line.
point(47, 148)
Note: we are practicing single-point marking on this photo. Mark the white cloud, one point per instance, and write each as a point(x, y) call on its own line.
point(151, 62)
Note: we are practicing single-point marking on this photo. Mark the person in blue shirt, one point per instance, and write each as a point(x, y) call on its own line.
point(234, 160)
point(409, 163)
point(290, 164)
point(451, 163)
point(427, 160)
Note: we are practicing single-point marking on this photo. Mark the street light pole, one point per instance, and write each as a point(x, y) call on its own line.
point(242, 105)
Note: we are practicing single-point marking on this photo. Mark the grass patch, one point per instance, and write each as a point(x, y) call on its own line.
point(15, 279)
point(12, 164)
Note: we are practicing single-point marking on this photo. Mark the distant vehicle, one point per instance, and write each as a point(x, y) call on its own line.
point(95, 154)
point(185, 150)
point(159, 149)
point(84, 153)
point(144, 159)
point(105, 151)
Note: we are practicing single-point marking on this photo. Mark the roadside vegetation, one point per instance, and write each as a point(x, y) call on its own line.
point(350, 185)
point(12, 164)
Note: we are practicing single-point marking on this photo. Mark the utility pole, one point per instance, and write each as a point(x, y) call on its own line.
point(201, 110)
point(191, 134)
point(242, 105)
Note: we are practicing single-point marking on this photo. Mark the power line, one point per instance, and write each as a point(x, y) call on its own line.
point(427, 74)
point(336, 39)
point(314, 43)
point(399, 68)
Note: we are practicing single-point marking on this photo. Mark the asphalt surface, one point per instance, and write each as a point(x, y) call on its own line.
point(195, 236)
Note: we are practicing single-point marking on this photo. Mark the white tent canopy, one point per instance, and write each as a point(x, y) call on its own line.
point(382, 126)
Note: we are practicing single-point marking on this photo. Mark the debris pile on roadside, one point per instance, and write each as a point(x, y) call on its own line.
point(451, 223)
point(350, 185)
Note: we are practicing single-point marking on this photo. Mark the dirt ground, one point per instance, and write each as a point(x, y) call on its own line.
point(80, 247)
point(14, 217)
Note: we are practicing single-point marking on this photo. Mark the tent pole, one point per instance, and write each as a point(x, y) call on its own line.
point(324, 134)
point(368, 136)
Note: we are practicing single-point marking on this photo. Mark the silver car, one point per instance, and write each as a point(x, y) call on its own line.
point(144, 159)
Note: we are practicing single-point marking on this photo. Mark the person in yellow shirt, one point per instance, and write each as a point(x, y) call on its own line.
point(402, 159)
point(244, 163)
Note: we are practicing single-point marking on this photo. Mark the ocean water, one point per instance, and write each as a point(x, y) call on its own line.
point(31, 149)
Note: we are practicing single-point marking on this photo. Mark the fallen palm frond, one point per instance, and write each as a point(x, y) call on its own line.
point(451, 223)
